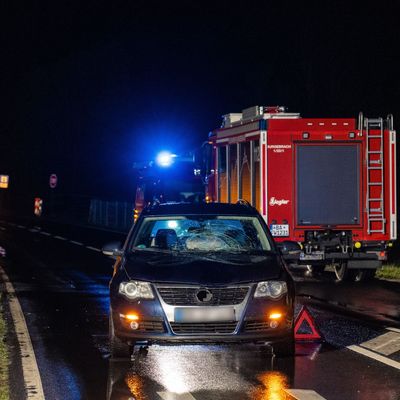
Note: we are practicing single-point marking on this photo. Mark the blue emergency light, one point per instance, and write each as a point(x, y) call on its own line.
point(165, 159)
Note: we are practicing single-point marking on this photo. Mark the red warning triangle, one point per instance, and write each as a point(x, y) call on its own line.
point(304, 316)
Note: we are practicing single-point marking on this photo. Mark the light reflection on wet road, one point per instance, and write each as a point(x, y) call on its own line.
point(378, 299)
point(247, 372)
point(206, 372)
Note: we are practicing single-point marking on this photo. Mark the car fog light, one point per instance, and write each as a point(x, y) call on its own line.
point(357, 245)
point(134, 325)
point(274, 324)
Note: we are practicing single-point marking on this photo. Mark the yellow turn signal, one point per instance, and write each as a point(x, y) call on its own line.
point(130, 317)
point(275, 316)
point(357, 245)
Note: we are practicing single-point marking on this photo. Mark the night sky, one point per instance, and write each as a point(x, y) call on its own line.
point(90, 87)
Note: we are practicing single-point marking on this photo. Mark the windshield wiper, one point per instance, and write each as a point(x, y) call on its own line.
point(152, 250)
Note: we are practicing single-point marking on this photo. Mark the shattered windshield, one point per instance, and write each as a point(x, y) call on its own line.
point(197, 234)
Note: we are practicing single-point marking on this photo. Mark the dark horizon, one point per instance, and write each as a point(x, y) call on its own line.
point(88, 89)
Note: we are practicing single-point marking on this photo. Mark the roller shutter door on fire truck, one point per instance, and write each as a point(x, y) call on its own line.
point(328, 184)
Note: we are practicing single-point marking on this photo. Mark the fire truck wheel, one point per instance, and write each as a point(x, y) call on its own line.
point(361, 275)
point(341, 272)
point(315, 270)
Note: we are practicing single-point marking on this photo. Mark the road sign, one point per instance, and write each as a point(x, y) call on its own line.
point(53, 181)
point(4, 181)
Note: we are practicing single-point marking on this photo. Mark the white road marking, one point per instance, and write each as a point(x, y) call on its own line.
point(33, 382)
point(49, 288)
point(386, 344)
point(21, 226)
point(34, 230)
point(175, 396)
point(375, 356)
point(93, 248)
point(63, 238)
point(60, 238)
point(301, 394)
point(2, 228)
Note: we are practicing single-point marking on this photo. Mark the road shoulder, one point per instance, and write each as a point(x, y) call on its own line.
point(20, 347)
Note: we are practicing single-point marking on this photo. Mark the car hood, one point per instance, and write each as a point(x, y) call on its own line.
point(164, 268)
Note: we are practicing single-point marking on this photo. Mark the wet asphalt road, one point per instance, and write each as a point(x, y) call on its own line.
point(61, 281)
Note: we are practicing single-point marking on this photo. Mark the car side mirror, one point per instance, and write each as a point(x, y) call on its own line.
point(289, 247)
point(112, 249)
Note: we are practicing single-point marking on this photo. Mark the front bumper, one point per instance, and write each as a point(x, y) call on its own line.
point(157, 323)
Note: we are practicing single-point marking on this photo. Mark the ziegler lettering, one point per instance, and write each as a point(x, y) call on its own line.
point(275, 202)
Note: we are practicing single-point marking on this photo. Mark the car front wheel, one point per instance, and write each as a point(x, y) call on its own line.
point(285, 348)
point(118, 348)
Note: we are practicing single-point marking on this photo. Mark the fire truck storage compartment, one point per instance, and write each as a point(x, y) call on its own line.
point(239, 172)
point(328, 184)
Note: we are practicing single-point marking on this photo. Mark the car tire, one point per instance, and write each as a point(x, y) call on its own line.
point(118, 348)
point(285, 348)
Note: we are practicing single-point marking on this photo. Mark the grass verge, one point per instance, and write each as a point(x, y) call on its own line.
point(4, 358)
point(389, 271)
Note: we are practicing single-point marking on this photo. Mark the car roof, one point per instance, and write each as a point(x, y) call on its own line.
point(200, 209)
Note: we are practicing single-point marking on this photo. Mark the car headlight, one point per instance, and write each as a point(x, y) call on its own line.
point(272, 289)
point(136, 290)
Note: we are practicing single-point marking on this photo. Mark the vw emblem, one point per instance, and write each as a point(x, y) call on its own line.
point(204, 296)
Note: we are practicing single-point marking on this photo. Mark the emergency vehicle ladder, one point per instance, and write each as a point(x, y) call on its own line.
point(375, 178)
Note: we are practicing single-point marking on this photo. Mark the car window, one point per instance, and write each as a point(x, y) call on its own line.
point(202, 234)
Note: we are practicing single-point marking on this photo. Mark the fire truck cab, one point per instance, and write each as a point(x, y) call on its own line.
point(328, 184)
point(167, 180)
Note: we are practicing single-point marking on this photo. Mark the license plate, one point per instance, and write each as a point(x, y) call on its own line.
point(279, 230)
point(316, 255)
point(204, 314)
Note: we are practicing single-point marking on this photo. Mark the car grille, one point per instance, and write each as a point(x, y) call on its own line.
point(203, 328)
point(256, 326)
point(180, 296)
point(151, 326)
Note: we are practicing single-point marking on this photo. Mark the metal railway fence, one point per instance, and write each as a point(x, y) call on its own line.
point(72, 209)
point(111, 214)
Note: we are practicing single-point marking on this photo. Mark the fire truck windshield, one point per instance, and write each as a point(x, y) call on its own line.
point(210, 234)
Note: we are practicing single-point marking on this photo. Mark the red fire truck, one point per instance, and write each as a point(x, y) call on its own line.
point(328, 184)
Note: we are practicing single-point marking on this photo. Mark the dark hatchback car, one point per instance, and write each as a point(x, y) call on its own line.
point(200, 273)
